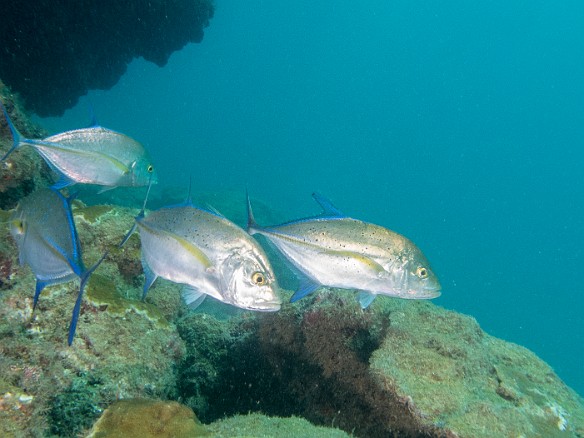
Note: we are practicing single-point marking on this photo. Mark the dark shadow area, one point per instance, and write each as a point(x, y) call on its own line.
point(54, 51)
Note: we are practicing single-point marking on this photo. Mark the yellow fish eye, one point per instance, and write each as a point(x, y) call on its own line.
point(19, 226)
point(150, 168)
point(422, 272)
point(258, 278)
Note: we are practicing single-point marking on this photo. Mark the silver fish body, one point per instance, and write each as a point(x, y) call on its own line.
point(98, 155)
point(94, 155)
point(207, 253)
point(42, 226)
point(338, 251)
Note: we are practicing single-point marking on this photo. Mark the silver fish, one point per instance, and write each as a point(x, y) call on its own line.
point(208, 254)
point(337, 251)
point(93, 155)
point(43, 228)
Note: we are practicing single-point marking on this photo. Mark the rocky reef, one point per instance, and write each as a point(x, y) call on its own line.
point(400, 368)
point(54, 51)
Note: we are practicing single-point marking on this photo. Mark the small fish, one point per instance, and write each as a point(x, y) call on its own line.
point(337, 251)
point(43, 228)
point(93, 155)
point(208, 254)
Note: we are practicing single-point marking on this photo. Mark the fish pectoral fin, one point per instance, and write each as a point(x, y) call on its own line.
point(193, 297)
point(363, 262)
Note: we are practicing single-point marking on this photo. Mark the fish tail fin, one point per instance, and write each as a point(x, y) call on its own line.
point(17, 138)
point(252, 225)
point(84, 278)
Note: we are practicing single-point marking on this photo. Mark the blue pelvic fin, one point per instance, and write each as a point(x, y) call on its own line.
point(192, 297)
point(40, 285)
point(150, 278)
point(63, 181)
point(327, 206)
point(306, 288)
point(16, 136)
point(77, 308)
point(365, 299)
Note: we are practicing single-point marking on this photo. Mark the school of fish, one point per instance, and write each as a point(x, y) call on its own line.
point(199, 248)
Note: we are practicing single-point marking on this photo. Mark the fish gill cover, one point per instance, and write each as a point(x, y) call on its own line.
point(55, 51)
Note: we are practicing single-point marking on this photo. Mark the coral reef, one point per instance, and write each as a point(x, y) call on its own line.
point(400, 368)
point(54, 51)
point(24, 170)
point(147, 419)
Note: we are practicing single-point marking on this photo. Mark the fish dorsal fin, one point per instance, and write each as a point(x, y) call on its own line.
point(327, 206)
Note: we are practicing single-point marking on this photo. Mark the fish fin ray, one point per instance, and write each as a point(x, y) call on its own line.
point(17, 138)
point(306, 287)
point(193, 297)
point(149, 278)
point(328, 208)
point(365, 299)
point(40, 285)
point(77, 309)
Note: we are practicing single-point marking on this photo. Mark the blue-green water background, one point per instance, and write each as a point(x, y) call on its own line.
point(458, 124)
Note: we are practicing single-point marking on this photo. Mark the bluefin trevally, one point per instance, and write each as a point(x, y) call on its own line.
point(208, 254)
point(94, 155)
point(338, 251)
point(42, 226)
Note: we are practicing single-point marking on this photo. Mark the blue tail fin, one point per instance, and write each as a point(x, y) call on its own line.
point(77, 308)
point(16, 137)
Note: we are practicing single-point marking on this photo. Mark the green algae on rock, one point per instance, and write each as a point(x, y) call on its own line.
point(141, 418)
point(25, 170)
point(261, 426)
point(455, 375)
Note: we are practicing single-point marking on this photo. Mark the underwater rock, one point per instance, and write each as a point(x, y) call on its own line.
point(55, 51)
point(402, 368)
point(257, 425)
point(141, 418)
point(124, 347)
point(399, 368)
point(24, 170)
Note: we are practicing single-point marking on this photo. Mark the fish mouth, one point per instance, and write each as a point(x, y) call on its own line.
point(421, 294)
point(268, 306)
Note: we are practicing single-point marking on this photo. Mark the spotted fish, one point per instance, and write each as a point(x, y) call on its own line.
point(93, 155)
point(337, 251)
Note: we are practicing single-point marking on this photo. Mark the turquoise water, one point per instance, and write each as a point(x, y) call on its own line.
point(459, 125)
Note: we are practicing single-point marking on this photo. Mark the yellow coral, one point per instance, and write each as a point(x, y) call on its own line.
point(142, 418)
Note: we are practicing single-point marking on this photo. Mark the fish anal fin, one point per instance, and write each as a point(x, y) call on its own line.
point(306, 288)
point(365, 299)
